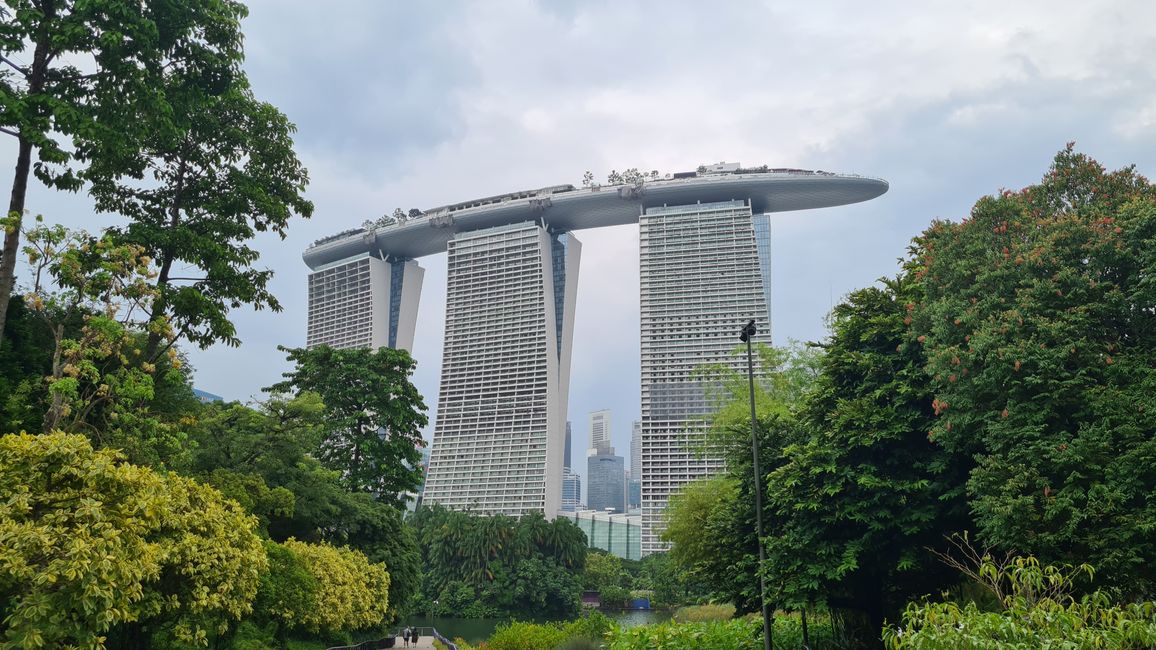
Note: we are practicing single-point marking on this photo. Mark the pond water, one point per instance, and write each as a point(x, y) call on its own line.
point(475, 630)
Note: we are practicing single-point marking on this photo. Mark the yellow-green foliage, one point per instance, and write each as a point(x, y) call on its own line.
point(352, 593)
point(88, 542)
point(549, 636)
point(212, 560)
point(699, 613)
point(1039, 611)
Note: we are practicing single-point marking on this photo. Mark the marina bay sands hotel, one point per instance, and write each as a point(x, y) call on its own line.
point(512, 282)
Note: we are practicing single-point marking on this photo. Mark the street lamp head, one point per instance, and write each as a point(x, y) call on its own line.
point(748, 332)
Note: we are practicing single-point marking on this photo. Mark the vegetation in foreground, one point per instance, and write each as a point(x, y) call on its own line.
point(1001, 384)
point(596, 631)
point(1035, 607)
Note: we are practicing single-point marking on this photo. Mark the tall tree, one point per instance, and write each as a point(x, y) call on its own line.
point(224, 171)
point(124, 48)
point(855, 503)
point(1038, 325)
point(373, 415)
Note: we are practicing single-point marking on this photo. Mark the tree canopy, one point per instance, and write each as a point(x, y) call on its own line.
point(1000, 384)
point(90, 90)
point(373, 415)
point(1037, 321)
point(88, 542)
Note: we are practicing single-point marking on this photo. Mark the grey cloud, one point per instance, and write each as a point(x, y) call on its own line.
point(366, 82)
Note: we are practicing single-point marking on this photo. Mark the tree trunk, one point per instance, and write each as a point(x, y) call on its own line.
point(159, 306)
point(20, 179)
point(12, 231)
point(56, 407)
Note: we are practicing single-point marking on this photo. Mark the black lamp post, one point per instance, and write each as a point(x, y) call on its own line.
point(747, 334)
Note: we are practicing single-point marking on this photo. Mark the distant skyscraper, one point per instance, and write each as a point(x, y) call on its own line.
point(701, 281)
point(501, 422)
point(605, 486)
point(571, 491)
point(605, 489)
point(566, 448)
point(364, 302)
point(600, 433)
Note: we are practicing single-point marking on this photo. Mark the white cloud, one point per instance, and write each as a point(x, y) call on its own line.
point(421, 104)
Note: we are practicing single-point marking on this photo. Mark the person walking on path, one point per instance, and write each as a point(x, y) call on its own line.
point(405, 637)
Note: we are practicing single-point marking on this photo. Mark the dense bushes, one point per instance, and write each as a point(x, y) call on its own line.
point(479, 567)
point(94, 549)
point(88, 542)
point(598, 631)
point(580, 633)
point(351, 592)
point(1038, 611)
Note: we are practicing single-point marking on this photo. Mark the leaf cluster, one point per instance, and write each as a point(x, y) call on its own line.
point(90, 544)
point(373, 416)
point(524, 566)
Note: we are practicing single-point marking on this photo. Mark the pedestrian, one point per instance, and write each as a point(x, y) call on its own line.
point(405, 636)
point(413, 636)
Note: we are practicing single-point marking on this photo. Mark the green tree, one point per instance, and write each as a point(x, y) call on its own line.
point(350, 593)
point(100, 110)
point(287, 589)
point(224, 169)
point(489, 566)
point(711, 543)
point(25, 360)
point(76, 276)
point(373, 415)
point(1036, 320)
point(857, 502)
point(95, 547)
point(723, 558)
point(603, 570)
point(261, 458)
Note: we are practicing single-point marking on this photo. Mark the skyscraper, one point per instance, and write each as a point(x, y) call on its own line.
point(634, 485)
point(571, 490)
point(700, 282)
point(600, 433)
point(605, 488)
point(501, 419)
point(510, 307)
point(605, 481)
point(566, 448)
point(364, 302)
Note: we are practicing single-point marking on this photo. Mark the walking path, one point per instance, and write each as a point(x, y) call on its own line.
point(426, 640)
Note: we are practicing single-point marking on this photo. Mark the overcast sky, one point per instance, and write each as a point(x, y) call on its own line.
point(421, 104)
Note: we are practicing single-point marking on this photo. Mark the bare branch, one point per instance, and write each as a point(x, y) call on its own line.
point(12, 64)
point(9, 132)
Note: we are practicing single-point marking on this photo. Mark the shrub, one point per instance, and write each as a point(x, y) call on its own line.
point(351, 593)
point(90, 544)
point(1038, 611)
point(734, 634)
point(527, 636)
point(702, 613)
